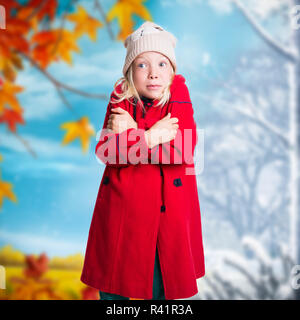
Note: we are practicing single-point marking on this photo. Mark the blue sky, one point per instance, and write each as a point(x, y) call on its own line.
point(56, 192)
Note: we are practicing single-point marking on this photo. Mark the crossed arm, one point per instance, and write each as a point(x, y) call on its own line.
point(124, 142)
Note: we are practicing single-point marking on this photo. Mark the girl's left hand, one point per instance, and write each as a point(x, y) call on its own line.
point(120, 120)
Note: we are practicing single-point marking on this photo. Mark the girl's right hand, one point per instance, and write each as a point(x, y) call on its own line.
point(162, 131)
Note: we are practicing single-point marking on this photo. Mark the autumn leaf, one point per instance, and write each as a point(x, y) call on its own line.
point(12, 41)
point(10, 65)
point(6, 191)
point(14, 37)
point(52, 45)
point(11, 118)
point(80, 129)
point(36, 267)
point(84, 23)
point(8, 93)
point(123, 11)
point(43, 8)
point(29, 14)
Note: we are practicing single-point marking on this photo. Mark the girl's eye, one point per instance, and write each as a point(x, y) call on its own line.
point(141, 64)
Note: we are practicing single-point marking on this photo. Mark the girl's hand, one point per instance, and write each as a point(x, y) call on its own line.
point(162, 131)
point(120, 120)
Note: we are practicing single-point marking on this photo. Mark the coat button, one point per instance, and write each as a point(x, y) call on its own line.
point(177, 182)
point(163, 208)
point(106, 180)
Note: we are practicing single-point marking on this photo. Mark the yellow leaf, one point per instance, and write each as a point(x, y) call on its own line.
point(7, 96)
point(5, 191)
point(65, 45)
point(123, 11)
point(80, 129)
point(85, 23)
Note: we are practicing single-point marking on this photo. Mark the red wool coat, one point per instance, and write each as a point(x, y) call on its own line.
point(142, 205)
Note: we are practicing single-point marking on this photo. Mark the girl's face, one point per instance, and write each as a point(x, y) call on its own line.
point(151, 68)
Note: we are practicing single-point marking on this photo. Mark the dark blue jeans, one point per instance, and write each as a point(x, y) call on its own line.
point(158, 287)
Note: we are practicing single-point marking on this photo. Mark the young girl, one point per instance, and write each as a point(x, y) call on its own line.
point(145, 238)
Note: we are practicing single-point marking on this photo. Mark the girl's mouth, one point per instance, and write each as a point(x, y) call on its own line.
point(151, 87)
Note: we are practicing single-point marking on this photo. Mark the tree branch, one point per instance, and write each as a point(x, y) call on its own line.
point(290, 55)
point(61, 85)
point(26, 144)
point(257, 120)
point(98, 6)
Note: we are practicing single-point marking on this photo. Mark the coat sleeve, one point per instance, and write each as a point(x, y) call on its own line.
point(121, 149)
point(181, 149)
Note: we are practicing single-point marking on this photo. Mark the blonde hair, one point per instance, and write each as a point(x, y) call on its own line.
point(129, 92)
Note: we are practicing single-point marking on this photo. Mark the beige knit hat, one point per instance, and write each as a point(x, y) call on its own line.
point(149, 37)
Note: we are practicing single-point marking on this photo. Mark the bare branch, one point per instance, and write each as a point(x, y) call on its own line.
point(257, 120)
point(290, 55)
point(63, 98)
point(243, 271)
point(61, 85)
point(26, 144)
point(98, 6)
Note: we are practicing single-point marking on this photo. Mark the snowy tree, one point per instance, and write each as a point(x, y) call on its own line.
point(254, 175)
point(270, 280)
point(257, 14)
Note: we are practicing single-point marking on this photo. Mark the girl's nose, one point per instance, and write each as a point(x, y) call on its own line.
point(153, 75)
point(153, 72)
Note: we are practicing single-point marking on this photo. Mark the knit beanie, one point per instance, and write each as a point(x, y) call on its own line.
point(149, 37)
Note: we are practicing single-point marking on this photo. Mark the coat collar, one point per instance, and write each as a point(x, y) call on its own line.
point(177, 82)
point(148, 102)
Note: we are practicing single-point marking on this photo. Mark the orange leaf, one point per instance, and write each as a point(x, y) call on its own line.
point(29, 14)
point(123, 11)
point(9, 65)
point(14, 36)
point(5, 191)
point(52, 45)
point(11, 118)
point(36, 266)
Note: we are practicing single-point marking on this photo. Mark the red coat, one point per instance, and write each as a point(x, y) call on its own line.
point(141, 206)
